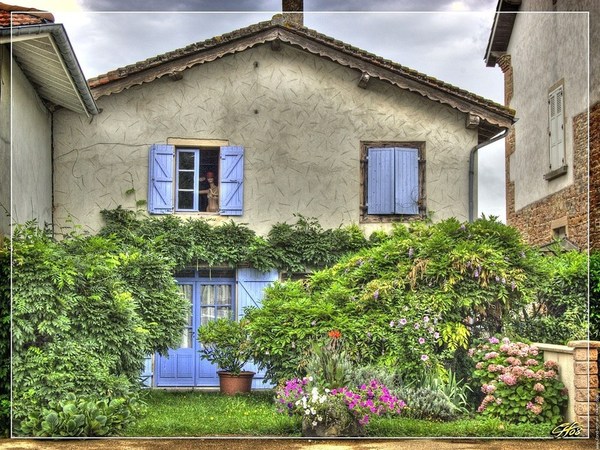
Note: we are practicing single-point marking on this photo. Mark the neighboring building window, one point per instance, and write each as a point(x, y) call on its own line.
point(556, 129)
point(179, 179)
point(392, 180)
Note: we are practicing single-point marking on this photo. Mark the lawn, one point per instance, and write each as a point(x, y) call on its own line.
point(190, 413)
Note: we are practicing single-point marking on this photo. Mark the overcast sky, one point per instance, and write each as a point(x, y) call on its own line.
point(445, 39)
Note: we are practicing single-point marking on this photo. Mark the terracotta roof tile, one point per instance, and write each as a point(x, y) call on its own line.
point(19, 16)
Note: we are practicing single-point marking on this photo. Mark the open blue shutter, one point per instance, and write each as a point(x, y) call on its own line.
point(231, 183)
point(380, 190)
point(406, 162)
point(160, 179)
point(250, 292)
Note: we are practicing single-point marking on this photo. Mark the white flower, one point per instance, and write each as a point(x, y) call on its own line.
point(310, 378)
point(327, 391)
point(312, 411)
point(314, 424)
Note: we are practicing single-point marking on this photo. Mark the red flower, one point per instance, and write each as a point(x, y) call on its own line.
point(334, 334)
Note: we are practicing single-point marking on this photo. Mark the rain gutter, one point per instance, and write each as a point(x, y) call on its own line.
point(472, 170)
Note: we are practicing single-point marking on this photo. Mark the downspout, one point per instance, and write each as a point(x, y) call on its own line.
point(472, 169)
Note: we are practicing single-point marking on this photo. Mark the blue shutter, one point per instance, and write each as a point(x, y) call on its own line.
point(160, 179)
point(380, 182)
point(250, 292)
point(231, 183)
point(406, 162)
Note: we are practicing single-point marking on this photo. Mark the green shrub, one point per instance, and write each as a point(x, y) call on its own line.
point(83, 416)
point(4, 338)
point(409, 302)
point(518, 386)
point(86, 311)
point(428, 403)
point(225, 343)
point(594, 306)
point(559, 312)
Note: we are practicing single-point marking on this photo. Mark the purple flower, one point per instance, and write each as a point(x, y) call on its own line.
point(436, 335)
point(421, 340)
point(402, 321)
point(392, 323)
point(369, 334)
point(410, 252)
point(493, 340)
point(426, 319)
point(424, 357)
point(417, 326)
point(476, 273)
point(376, 294)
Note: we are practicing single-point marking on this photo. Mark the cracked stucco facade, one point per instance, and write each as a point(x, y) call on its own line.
point(300, 118)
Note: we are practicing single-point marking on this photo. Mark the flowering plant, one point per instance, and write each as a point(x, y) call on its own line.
point(516, 382)
point(341, 406)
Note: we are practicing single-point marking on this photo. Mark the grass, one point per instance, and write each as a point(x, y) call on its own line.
point(212, 414)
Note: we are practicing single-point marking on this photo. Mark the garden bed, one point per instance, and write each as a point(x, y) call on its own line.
point(212, 414)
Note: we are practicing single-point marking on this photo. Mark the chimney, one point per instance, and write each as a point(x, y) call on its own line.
point(293, 11)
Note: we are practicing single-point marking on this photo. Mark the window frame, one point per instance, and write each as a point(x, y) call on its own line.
point(365, 217)
point(560, 169)
point(197, 151)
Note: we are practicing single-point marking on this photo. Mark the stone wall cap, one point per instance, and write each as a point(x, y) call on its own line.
point(584, 344)
point(554, 348)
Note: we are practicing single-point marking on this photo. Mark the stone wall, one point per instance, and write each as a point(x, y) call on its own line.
point(578, 369)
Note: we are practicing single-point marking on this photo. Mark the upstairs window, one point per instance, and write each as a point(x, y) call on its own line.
point(191, 180)
point(392, 180)
point(556, 132)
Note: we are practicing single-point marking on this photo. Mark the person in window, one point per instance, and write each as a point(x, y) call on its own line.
point(202, 197)
point(213, 193)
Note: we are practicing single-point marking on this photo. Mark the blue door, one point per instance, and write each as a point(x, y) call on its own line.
point(209, 299)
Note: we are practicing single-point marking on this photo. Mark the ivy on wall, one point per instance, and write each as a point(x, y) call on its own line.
point(297, 247)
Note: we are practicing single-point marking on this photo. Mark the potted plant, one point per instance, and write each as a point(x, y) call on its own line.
point(226, 343)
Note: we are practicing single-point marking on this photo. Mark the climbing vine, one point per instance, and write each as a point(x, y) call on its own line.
point(297, 247)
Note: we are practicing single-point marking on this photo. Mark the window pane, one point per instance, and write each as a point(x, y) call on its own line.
point(208, 314)
point(186, 180)
point(224, 313)
point(207, 294)
point(186, 339)
point(186, 160)
point(185, 200)
point(223, 294)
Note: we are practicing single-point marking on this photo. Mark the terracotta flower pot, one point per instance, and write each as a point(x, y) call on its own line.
point(231, 384)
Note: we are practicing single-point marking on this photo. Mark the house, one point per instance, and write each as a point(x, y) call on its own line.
point(542, 48)
point(282, 120)
point(39, 74)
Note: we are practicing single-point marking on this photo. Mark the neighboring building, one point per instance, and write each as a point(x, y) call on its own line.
point(38, 75)
point(542, 47)
point(287, 121)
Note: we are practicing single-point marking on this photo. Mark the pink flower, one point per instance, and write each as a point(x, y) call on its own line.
point(479, 366)
point(424, 357)
point(508, 379)
point(531, 362)
point(493, 340)
point(550, 374)
point(539, 400)
point(550, 365)
point(490, 355)
point(421, 340)
point(539, 387)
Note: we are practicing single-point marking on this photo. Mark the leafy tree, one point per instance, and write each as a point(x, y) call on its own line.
point(86, 310)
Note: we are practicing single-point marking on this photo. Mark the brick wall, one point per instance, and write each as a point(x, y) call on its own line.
point(595, 176)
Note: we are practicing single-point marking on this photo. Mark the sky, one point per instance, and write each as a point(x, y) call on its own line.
point(445, 39)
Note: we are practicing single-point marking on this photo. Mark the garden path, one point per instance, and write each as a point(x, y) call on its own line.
point(298, 444)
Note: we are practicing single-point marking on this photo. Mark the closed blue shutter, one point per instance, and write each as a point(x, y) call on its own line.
point(407, 180)
point(250, 292)
point(160, 179)
point(380, 189)
point(231, 183)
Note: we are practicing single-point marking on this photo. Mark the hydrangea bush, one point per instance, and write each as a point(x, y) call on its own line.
point(517, 384)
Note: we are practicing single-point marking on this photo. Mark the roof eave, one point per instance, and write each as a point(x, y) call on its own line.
point(66, 54)
point(501, 31)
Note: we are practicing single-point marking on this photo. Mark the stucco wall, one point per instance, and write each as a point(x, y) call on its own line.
point(300, 118)
point(545, 48)
point(30, 125)
point(4, 139)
